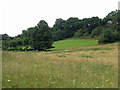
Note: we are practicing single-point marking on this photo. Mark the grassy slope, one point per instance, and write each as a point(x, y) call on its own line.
point(93, 66)
point(73, 43)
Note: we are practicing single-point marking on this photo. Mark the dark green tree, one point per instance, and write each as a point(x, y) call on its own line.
point(26, 41)
point(59, 35)
point(13, 43)
point(107, 36)
point(59, 24)
point(41, 38)
point(71, 26)
point(95, 32)
point(79, 33)
point(58, 31)
point(6, 37)
point(118, 21)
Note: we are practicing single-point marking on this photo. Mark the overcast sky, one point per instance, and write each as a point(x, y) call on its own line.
point(18, 15)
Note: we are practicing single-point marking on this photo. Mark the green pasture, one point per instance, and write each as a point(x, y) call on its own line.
point(73, 43)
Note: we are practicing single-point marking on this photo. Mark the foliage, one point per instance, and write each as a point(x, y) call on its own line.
point(26, 41)
point(71, 26)
point(58, 35)
point(41, 38)
point(79, 33)
point(59, 24)
point(6, 37)
point(107, 36)
point(96, 32)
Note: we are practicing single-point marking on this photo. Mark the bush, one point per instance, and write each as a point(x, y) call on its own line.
point(13, 43)
point(29, 48)
point(24, 48)
point(11, 49)
point(86, 34)
point(58, 35)
point(96, 32)
point(107, 36)
point(116, 35)
point(19, 48)
point(78, 34)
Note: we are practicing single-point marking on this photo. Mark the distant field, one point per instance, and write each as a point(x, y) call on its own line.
point(74, 43)
point(82, 67)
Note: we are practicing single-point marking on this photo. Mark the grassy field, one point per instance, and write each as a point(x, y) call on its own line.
point(82, 67)
point(73, 43)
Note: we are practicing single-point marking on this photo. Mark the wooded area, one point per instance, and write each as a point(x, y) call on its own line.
point(41, 36)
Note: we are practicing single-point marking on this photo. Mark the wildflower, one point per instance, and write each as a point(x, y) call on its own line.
point(8, 80)
point(110, 83)
point(108, 80)
point(36, 79)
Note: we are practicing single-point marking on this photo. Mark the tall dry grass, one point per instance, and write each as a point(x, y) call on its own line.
point(78, 68)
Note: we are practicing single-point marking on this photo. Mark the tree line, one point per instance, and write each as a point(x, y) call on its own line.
point(41, 36)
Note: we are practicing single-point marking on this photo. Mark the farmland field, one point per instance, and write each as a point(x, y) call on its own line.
point(82, 65)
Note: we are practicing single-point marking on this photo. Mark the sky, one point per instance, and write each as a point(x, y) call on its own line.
point(18, 15)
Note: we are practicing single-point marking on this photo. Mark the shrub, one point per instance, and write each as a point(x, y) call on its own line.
point(19, 48)
point(29, 48)
point(59, 35)
point(96, 32)
point(107, 36)
point(11, 48)
point(79, 33)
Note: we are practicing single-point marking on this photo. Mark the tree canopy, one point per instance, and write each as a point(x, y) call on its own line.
point(41, 36)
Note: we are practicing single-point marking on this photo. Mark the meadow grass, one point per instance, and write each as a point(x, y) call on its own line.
point(73, 43)
point(61, 69)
